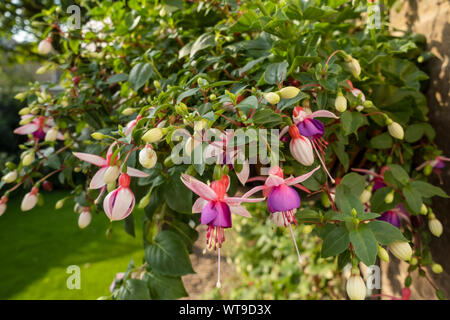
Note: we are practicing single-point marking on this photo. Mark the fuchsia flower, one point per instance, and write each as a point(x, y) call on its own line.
point(357, 93)
point(216, 206)
point(393, 216)
point(281, 197)
point(226, 154)
point(38, 127)
point(119, 203)
point(313, 129)
point(97, 181)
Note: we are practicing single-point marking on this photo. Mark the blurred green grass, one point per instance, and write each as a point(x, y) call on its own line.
point(37, 246)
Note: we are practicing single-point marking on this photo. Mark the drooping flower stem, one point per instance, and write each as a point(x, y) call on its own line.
point(295, 243)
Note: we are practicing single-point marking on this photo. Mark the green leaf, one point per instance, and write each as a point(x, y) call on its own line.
point(364, 244)
point(427, 190)
point(339, 149)
point(117, 78)
point(164, 287)
point(206, 40)
point(168, 255)
point(382, 141)
point(268, 118)
point(351, 121)
point(140, 74)
point(352, 183)
point(178, 196)
point(399, 173)
point(335, 242)
point(414, 132)
point(134, 289)
point(276, 72)
point(385, 233)
point(413, 198)
point(307, 215)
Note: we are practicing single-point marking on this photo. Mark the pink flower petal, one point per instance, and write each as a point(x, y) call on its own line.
point(91, 158)
point(273, 181)
point(136, 173)
point(26, 129)
point(253, 191)
point(123, 204)
point(198, 187)
point(97, 180)
point(107, 203)
point(291, 181)
point(199, 204)
point(245, 172)
point(240, 210)
point(322, 114)
point(237, 200)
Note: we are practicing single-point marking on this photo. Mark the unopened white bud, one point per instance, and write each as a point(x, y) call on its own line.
point(29, 201)
point(396, 130)
point(401, 249)
point(271, 97)
point(148, 157)
point(354, 67)
point(340, 103)
point(356, 288)
point(289, 92)
point(153, 135)
point(128, 111)
point(435, 227)
point(382, 253)
point(51, 134)
point(111, 174)
point(45, 46)
point(10, 177)
point(84, 219)
point(28, 159)
point(365, 196)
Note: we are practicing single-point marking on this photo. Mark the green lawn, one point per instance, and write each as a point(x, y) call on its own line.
point(37, 246)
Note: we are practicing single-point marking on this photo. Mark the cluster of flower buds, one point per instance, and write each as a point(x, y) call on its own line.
point(289, 92)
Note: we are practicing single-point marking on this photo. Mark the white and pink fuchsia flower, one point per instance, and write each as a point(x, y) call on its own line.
point(119, 203)
point(108, 168)
point(38, 127)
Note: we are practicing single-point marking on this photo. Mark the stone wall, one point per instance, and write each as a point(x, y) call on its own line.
point(432, 19)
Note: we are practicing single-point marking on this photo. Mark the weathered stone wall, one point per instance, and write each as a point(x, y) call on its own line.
point(432, 19)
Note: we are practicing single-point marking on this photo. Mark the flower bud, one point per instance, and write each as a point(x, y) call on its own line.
point(20, 96)
point(437, 268)
point(25, 121)
point(29, 200)
point(212, 97)
point(401, 249)
point(45, 46)
point(97, 135)
point(271, 97)
point(111, 174)
point(389, 197)
point(84, 219)
point(24, 111)
point(289, 92)
point(365, 196)
point(128, 111)
point(396, 130)
point(3, 202)
point(59, 204)
point(382, 254)
point(152, 135)
point(144, 201)
point(427, 170)
point(423, 209)
point(413, 261)
point(51, 134)
point(435, 227)
point(148, 157)
point(354, 67)
point(42, 70)
point(340, 103)
point(200, 125)
point(325, 200)
point(10, 177)
point(181, 108)
point(28, 159)
point(356, 288)
point(157, 84)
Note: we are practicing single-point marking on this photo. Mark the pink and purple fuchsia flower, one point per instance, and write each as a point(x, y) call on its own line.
point(38, 127)
point(282, 200)
point(313, 129)
point(216, 208)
